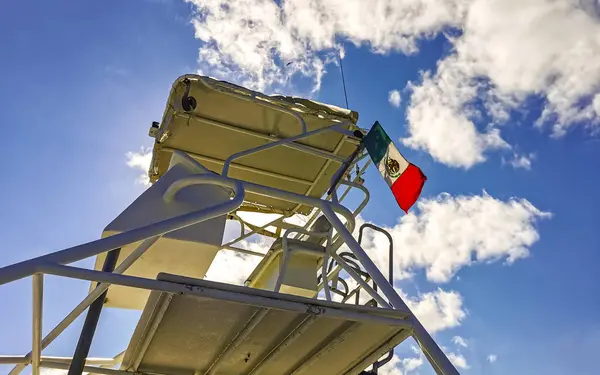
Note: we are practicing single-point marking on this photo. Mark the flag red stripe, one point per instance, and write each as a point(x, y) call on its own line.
point(408, 186)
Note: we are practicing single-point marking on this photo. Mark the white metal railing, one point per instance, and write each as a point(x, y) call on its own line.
point(337, 127)
point(338, 124)
point(330, 207)
point(53, 263)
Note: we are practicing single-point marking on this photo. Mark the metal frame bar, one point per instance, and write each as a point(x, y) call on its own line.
point(314, 216)
point(242, 167)
point(337, 148)
point(88, 330)
point(86, 302)
point(91, 369)
point(337, 127)
point(223, 294)
point(14, 360)
point(336, 178)
point(255, 230)
point(391, 249)
point(432, 351)
point(73, 254)
point(248, 234)
point(242, 251)
point(296, 146)
point(333, 274)
point(365, 285)
point(389, 345)
point(36, 346)
point(377, 365)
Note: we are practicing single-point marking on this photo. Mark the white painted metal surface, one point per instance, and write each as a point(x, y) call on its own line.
point(188, 251)
point(300, 262)
point(299, 335)
point(230, 120)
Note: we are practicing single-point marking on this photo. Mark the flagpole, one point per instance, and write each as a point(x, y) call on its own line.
point(343, 79)
point(346, 165)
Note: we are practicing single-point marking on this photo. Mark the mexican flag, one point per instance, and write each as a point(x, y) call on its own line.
point(405, 179)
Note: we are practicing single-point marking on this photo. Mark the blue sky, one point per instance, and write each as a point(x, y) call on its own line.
point(516, 108)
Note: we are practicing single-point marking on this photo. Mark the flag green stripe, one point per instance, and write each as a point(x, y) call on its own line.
point(377, 141)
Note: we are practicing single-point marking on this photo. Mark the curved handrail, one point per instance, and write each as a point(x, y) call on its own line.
point(313, 216)
point(200, 179)
point(335, 127)
point(391, 251)
point(302, 199)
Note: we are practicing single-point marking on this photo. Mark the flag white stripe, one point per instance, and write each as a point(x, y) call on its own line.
point(392, 153)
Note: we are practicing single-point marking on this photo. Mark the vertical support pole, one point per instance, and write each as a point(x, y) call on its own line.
point(91, 320)
point(36, 347)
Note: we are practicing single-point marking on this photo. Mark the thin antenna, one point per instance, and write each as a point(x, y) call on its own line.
point(343, 80)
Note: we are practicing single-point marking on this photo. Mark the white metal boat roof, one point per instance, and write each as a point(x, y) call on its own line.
point(229, 119)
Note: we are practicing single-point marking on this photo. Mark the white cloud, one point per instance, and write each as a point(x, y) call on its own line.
point(458, 360)
point(520, 161)
point(404, 366)
point(251, 42)
point(447, 233)
point(394, 98)
point(596, 104)
point(233, 267)
point(411, 364)
point(438, 121)
point(492, 358)
point(457, 340)
point(508, 51)
point(140, 161)
point(437, 310)
point(393, 367)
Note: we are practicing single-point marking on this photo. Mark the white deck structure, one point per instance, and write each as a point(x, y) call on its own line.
point(219, 150)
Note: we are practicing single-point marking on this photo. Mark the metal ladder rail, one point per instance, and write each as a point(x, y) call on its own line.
point(378, 364)
point(353, 263)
